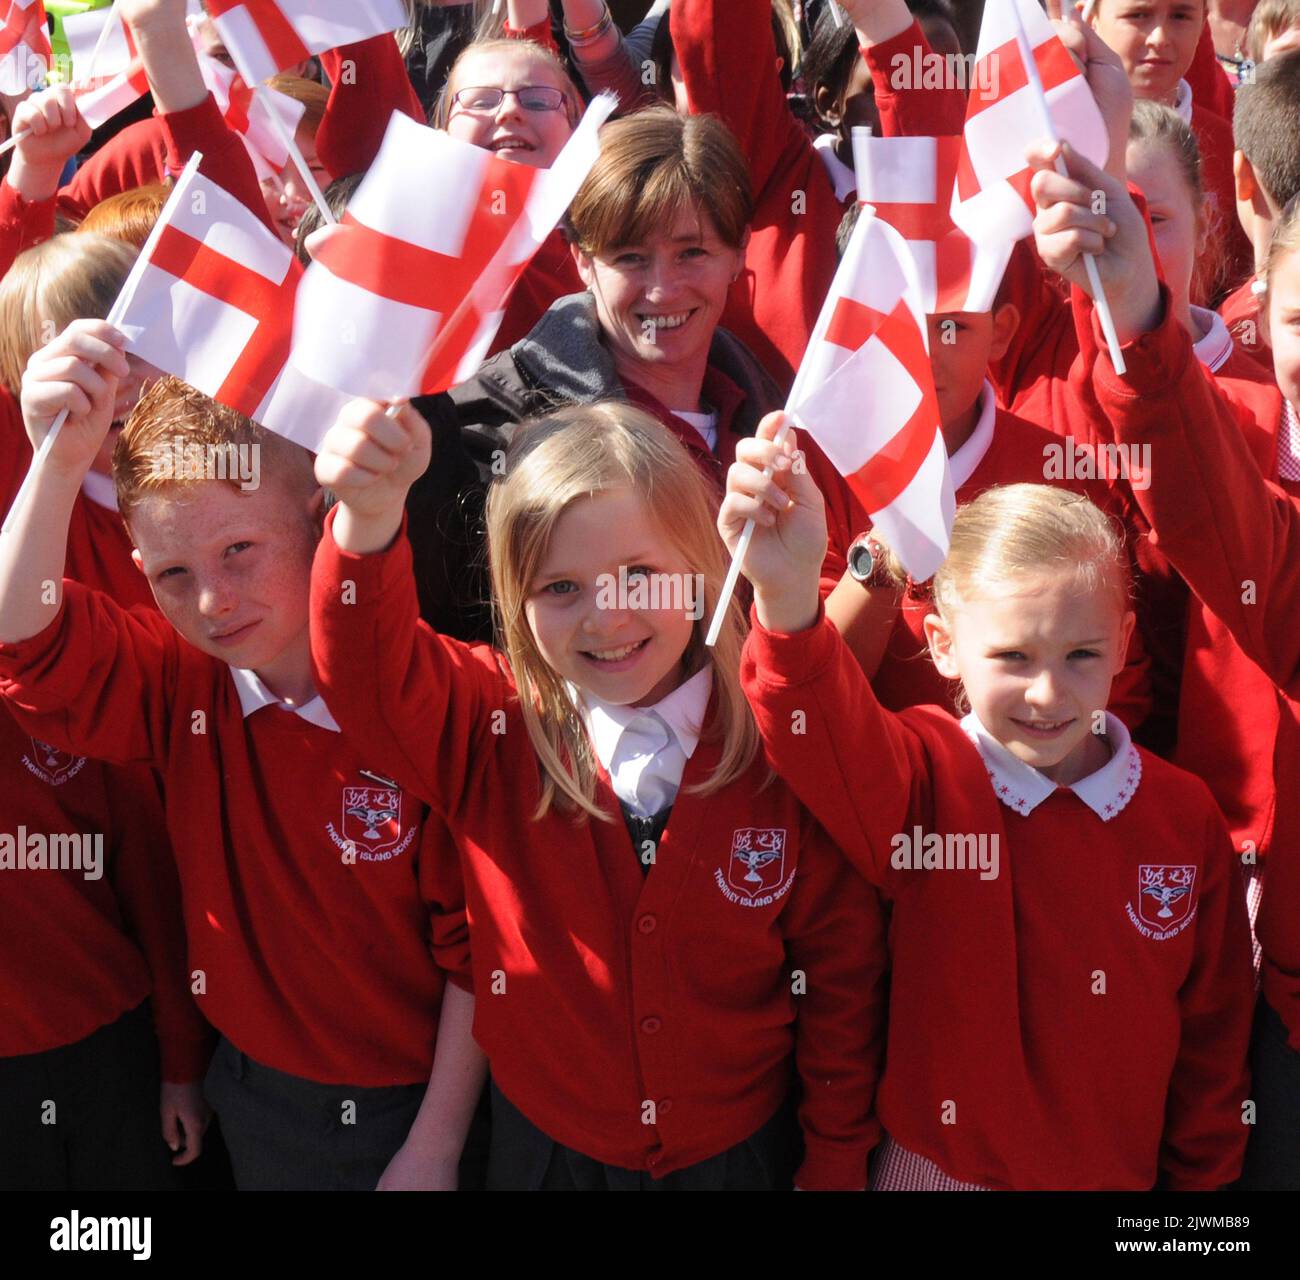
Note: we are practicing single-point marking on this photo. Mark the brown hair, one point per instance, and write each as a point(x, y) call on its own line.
point(1151, 122)
point(653, 165)
point(572, 98)
point(554, 461)
point(313, 97)
point(128, 215)
point(1266, 125)
point(171, 411)
point(66, 278)
point(1269, 19)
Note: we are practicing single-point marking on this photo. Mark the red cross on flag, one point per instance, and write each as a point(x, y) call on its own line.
point(266, 36)
point(991, 199)
point(865, 393)
point(25, 52)
point(908, 182)
point(212, 302)
point(107, 74)
point(405, 297)
point(249, 114)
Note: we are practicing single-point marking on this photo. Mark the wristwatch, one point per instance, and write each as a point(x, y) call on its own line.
point(868, 563)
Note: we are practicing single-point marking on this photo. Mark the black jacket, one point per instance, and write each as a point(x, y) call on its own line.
point(561, 361)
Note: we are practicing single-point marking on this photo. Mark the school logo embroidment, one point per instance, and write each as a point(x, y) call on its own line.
point(755, 875)
point(1166, 900)
point(372, 823)
point(51, 765)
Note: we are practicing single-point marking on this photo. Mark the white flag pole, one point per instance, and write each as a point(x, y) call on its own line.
point(103, 39)
point(114, 317)
point(290, 144)
point(1049, 128)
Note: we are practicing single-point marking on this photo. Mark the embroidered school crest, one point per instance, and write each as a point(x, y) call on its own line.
point(51, 765)
point(757, 862)
point(372, 818)
point(1166, 900)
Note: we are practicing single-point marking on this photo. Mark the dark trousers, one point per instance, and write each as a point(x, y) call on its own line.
point(85, 1116)
point(522, 1158)
point(1273, 1151)
point(285, 1133)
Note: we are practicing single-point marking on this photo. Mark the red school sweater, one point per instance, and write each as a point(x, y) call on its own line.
point(75, 953)
point(1241, 313)
point(1224, 528)
point(670, 992)
point(320, 905)
point(1018, 452)
point(1047, 1030)
point(156, 149)
point(728, 62)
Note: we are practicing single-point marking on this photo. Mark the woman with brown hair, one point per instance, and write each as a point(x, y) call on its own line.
point(658, 234)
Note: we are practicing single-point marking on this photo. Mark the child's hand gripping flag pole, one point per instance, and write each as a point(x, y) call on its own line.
point(865, 393)
point(119, 308)
point(404, 297)
point(1027, 84)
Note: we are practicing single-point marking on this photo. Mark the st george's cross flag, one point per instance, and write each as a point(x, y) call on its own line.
point(107, 74)
point(266, 36)
point(908, 182)
point(213, 304)
point(991, 200)
point(865, 393)
point(25, 51)
point(249, 114)
point(406, 295)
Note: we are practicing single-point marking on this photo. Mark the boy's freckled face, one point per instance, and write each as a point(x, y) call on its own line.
point(623, 656)
point(230, 570)
point(533, 138)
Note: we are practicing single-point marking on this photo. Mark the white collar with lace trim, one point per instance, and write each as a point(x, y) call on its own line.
point(254, 695)
point(1021, 787)
point(843, 179)
point(962, 464)
point(1183, 102)
point(1215, 347)
point(683, 710)
point(100, 490)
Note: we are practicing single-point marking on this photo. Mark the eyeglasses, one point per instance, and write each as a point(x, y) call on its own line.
point(533, 97)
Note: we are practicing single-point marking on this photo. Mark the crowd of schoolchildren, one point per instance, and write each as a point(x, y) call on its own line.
point(344, 816)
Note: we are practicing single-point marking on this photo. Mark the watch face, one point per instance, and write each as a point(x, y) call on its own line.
point(861, 562)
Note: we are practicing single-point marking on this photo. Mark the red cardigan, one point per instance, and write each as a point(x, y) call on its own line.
point(1005, 1064)
point(1235, 538)
point(670, 988)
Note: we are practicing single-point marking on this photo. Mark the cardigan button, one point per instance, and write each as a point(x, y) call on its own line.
point(650, 1025)
point(647, 924)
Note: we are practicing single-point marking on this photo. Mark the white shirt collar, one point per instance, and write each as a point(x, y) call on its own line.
point(843, 179)
point(683, 711)
point(962, 464)
point(100, 490)
point(1021, 787)
point(1183, 102)
point(254, 695)
point(1213, 349)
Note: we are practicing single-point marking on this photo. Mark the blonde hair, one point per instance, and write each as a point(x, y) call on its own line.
point(66, 278)
point(527, 48)
point(653, 165)
point(128, 215)
point(1285, 241)
point(556, 460)
point(1016, 531)
point(1269, 19)
point(172, 410)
